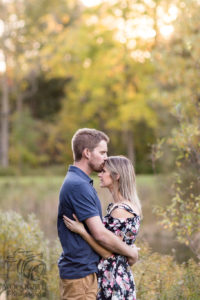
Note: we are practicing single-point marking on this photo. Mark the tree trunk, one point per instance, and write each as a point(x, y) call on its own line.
point(4, 122)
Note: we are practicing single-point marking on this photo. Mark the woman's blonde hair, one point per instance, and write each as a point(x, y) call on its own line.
point(124, 183)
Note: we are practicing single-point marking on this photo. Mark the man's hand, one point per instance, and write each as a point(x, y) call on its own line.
point(134, 255)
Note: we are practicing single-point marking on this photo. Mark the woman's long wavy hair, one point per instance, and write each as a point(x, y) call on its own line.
point(124, 183)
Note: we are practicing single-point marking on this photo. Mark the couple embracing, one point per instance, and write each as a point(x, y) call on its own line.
point(97, 252)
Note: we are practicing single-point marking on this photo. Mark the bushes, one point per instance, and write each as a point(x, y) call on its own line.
point(160, 277)
point(28, 265)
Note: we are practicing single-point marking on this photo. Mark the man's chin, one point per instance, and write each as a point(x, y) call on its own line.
point(98, 169)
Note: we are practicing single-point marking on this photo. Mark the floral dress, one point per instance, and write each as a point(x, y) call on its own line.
point(115, 279)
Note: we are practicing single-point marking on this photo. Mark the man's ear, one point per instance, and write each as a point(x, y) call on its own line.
point(86, 153)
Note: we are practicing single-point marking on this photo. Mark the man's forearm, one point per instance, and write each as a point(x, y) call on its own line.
point(102, 251)
point(113, 243)
point(109, 240)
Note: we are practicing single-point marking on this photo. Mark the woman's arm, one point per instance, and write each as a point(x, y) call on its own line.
point(79, 228)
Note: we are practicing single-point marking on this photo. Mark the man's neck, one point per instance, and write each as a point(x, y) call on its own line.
point(83, 166)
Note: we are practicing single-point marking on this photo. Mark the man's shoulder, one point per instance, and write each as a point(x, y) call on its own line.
point(76, 183)
point(75, 179)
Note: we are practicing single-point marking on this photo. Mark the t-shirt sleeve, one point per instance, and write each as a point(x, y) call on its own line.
point(84, 202)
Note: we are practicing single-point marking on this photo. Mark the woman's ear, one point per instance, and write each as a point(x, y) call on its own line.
point(117, 176)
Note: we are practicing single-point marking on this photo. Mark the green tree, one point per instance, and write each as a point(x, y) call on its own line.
point(28, 31)
point(18, 51)
point(111, 91)
point(181, 88)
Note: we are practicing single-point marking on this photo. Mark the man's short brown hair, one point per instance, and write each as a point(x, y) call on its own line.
point(86, 138)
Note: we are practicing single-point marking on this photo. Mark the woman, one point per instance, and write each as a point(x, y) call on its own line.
point(115, 278)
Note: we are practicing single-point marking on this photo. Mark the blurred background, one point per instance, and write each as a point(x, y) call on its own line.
point(130, 68)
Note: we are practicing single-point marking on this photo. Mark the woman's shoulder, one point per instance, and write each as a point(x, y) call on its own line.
point(122, 210)
point(129, 206)
point(109, 207)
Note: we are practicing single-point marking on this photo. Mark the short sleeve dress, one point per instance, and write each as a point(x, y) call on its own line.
point(115, 278)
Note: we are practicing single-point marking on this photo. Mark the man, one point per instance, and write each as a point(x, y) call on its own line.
point(78, 261)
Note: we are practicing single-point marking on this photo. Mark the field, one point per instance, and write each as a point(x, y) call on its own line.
point(38, 195)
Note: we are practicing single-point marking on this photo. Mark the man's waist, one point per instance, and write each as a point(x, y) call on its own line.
point(71, 269)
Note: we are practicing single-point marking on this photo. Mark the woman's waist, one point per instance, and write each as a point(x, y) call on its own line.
point(114, 258)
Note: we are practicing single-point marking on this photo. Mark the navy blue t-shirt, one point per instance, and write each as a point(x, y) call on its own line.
point(77, 196)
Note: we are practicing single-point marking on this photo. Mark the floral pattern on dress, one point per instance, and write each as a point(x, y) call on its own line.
point(115, 278)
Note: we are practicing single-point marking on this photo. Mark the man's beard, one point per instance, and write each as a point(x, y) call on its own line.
point(96, 168)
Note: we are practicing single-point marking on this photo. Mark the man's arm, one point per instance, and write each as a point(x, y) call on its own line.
point(109, 240)
point(78, 227)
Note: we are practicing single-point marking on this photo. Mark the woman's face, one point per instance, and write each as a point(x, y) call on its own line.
point(105, 179)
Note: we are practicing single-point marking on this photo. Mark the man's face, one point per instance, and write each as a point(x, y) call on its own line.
point(98, 157)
